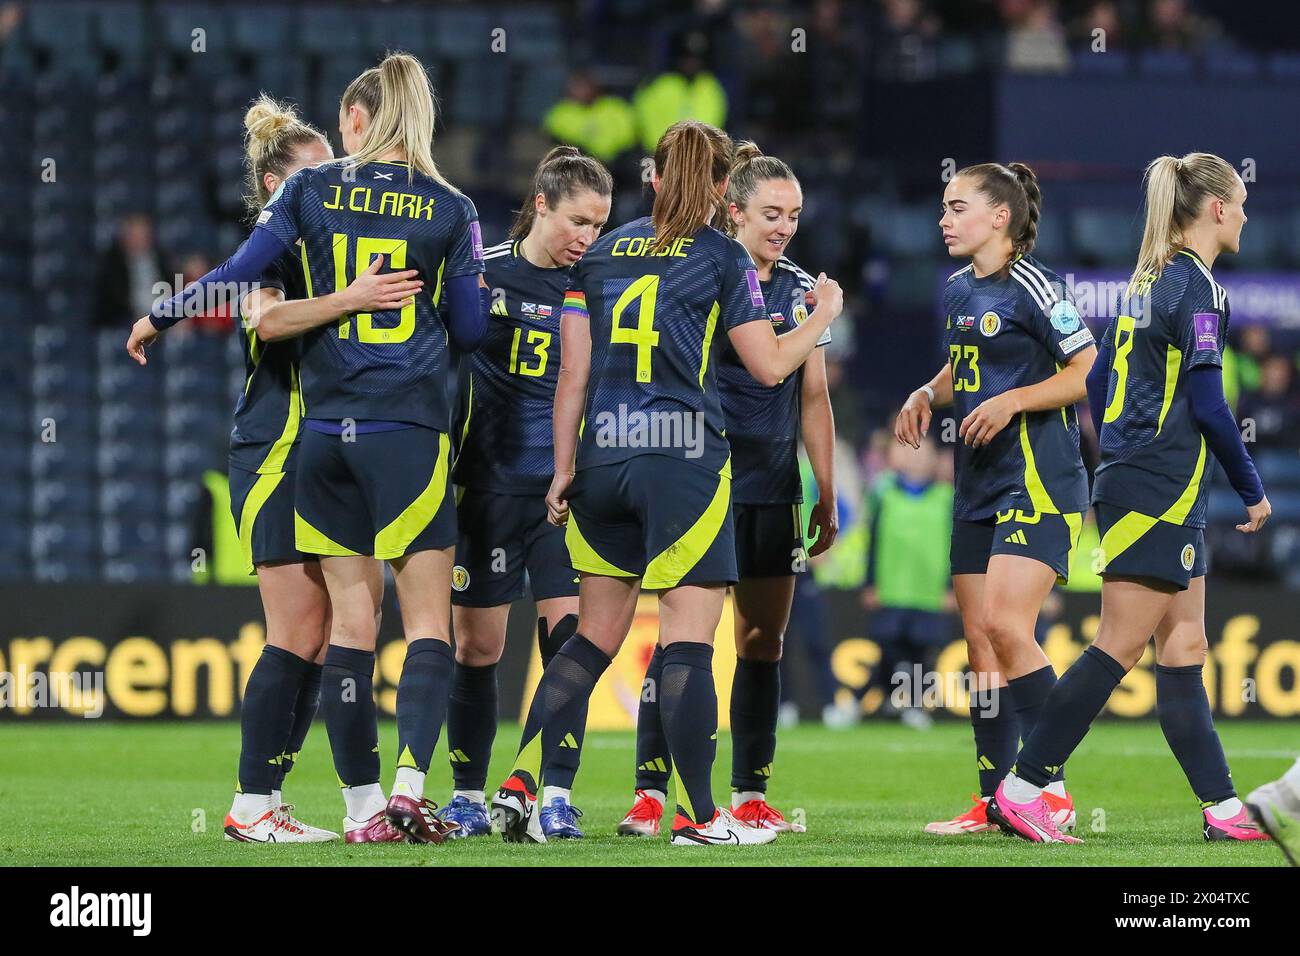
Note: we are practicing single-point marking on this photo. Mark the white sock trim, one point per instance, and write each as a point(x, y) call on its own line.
point(1020, 791)
point(473, 796)
point(365, 801)
point(744, 796)
point(1225, 809)
point(247, 807)
point(409, 782)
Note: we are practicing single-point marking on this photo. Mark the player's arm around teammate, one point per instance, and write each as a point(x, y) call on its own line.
point(502, 469)
point(764, 203)
point(654, 514)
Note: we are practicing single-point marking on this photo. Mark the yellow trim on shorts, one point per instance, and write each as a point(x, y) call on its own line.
point(667, 568)
point(258, 495)
point(1073, 521)
point(584, 557)
point(309, 540)
point(393, 540)
point(1125, 532)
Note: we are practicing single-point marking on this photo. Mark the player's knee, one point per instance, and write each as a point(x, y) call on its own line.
point(478, 647)
point(979, 651)
point(760, 644)
point(1187, 649)
point(1002, 635)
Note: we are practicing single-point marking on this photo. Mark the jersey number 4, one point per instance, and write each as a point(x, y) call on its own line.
point(367, 248)
point(643, 335)
point(971, 354)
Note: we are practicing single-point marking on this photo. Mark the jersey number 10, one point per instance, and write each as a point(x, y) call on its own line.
point(368, 247)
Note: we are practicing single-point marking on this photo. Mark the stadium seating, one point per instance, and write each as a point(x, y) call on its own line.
point(139, 112)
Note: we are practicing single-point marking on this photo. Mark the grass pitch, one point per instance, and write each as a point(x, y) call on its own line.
point(104, 794)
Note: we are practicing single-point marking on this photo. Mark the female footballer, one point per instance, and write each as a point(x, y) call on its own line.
point(283, 691)
point(1018, 355)
point(502, 469)
point(374, 464)
point(643, 468)
point(1157, 394)
point(764, 424)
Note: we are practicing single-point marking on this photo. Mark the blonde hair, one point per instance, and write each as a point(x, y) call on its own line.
point(1176, 188)
point(273, 131)
point(692, 159)
point(399, 98)
point(749, 167)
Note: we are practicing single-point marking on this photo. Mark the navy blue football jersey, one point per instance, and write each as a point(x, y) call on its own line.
point(386, 366)
point(1153, 458)
point(656, 316)
point(507, 387)
point(268, 414)
point(763, 422)
point(1006, 331)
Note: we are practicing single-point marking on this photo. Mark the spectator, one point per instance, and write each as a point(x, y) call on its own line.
point(908, 588)
point(127, 272)
point(1101, 15)
point(218, 318)
point(1275, 407)
point(1171, 25)
point(598, 123)
point(689, 92)
point(906, 35)
point(1035, 37)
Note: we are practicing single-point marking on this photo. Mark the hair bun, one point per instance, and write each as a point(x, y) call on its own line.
point(265, 118)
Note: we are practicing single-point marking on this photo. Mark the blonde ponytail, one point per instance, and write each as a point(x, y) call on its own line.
point(1176, 188)
point(399, 98)
point(272, 133)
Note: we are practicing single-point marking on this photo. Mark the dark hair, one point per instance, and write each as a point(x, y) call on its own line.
point(749, 167)
point(692, 159)
point(561, 173)
point(1015, 186)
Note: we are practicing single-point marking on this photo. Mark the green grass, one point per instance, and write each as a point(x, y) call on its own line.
point(91, 794)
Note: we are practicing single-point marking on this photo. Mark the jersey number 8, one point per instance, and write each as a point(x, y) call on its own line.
point(1124, 327)
point(960, 383)
point(367, 247)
